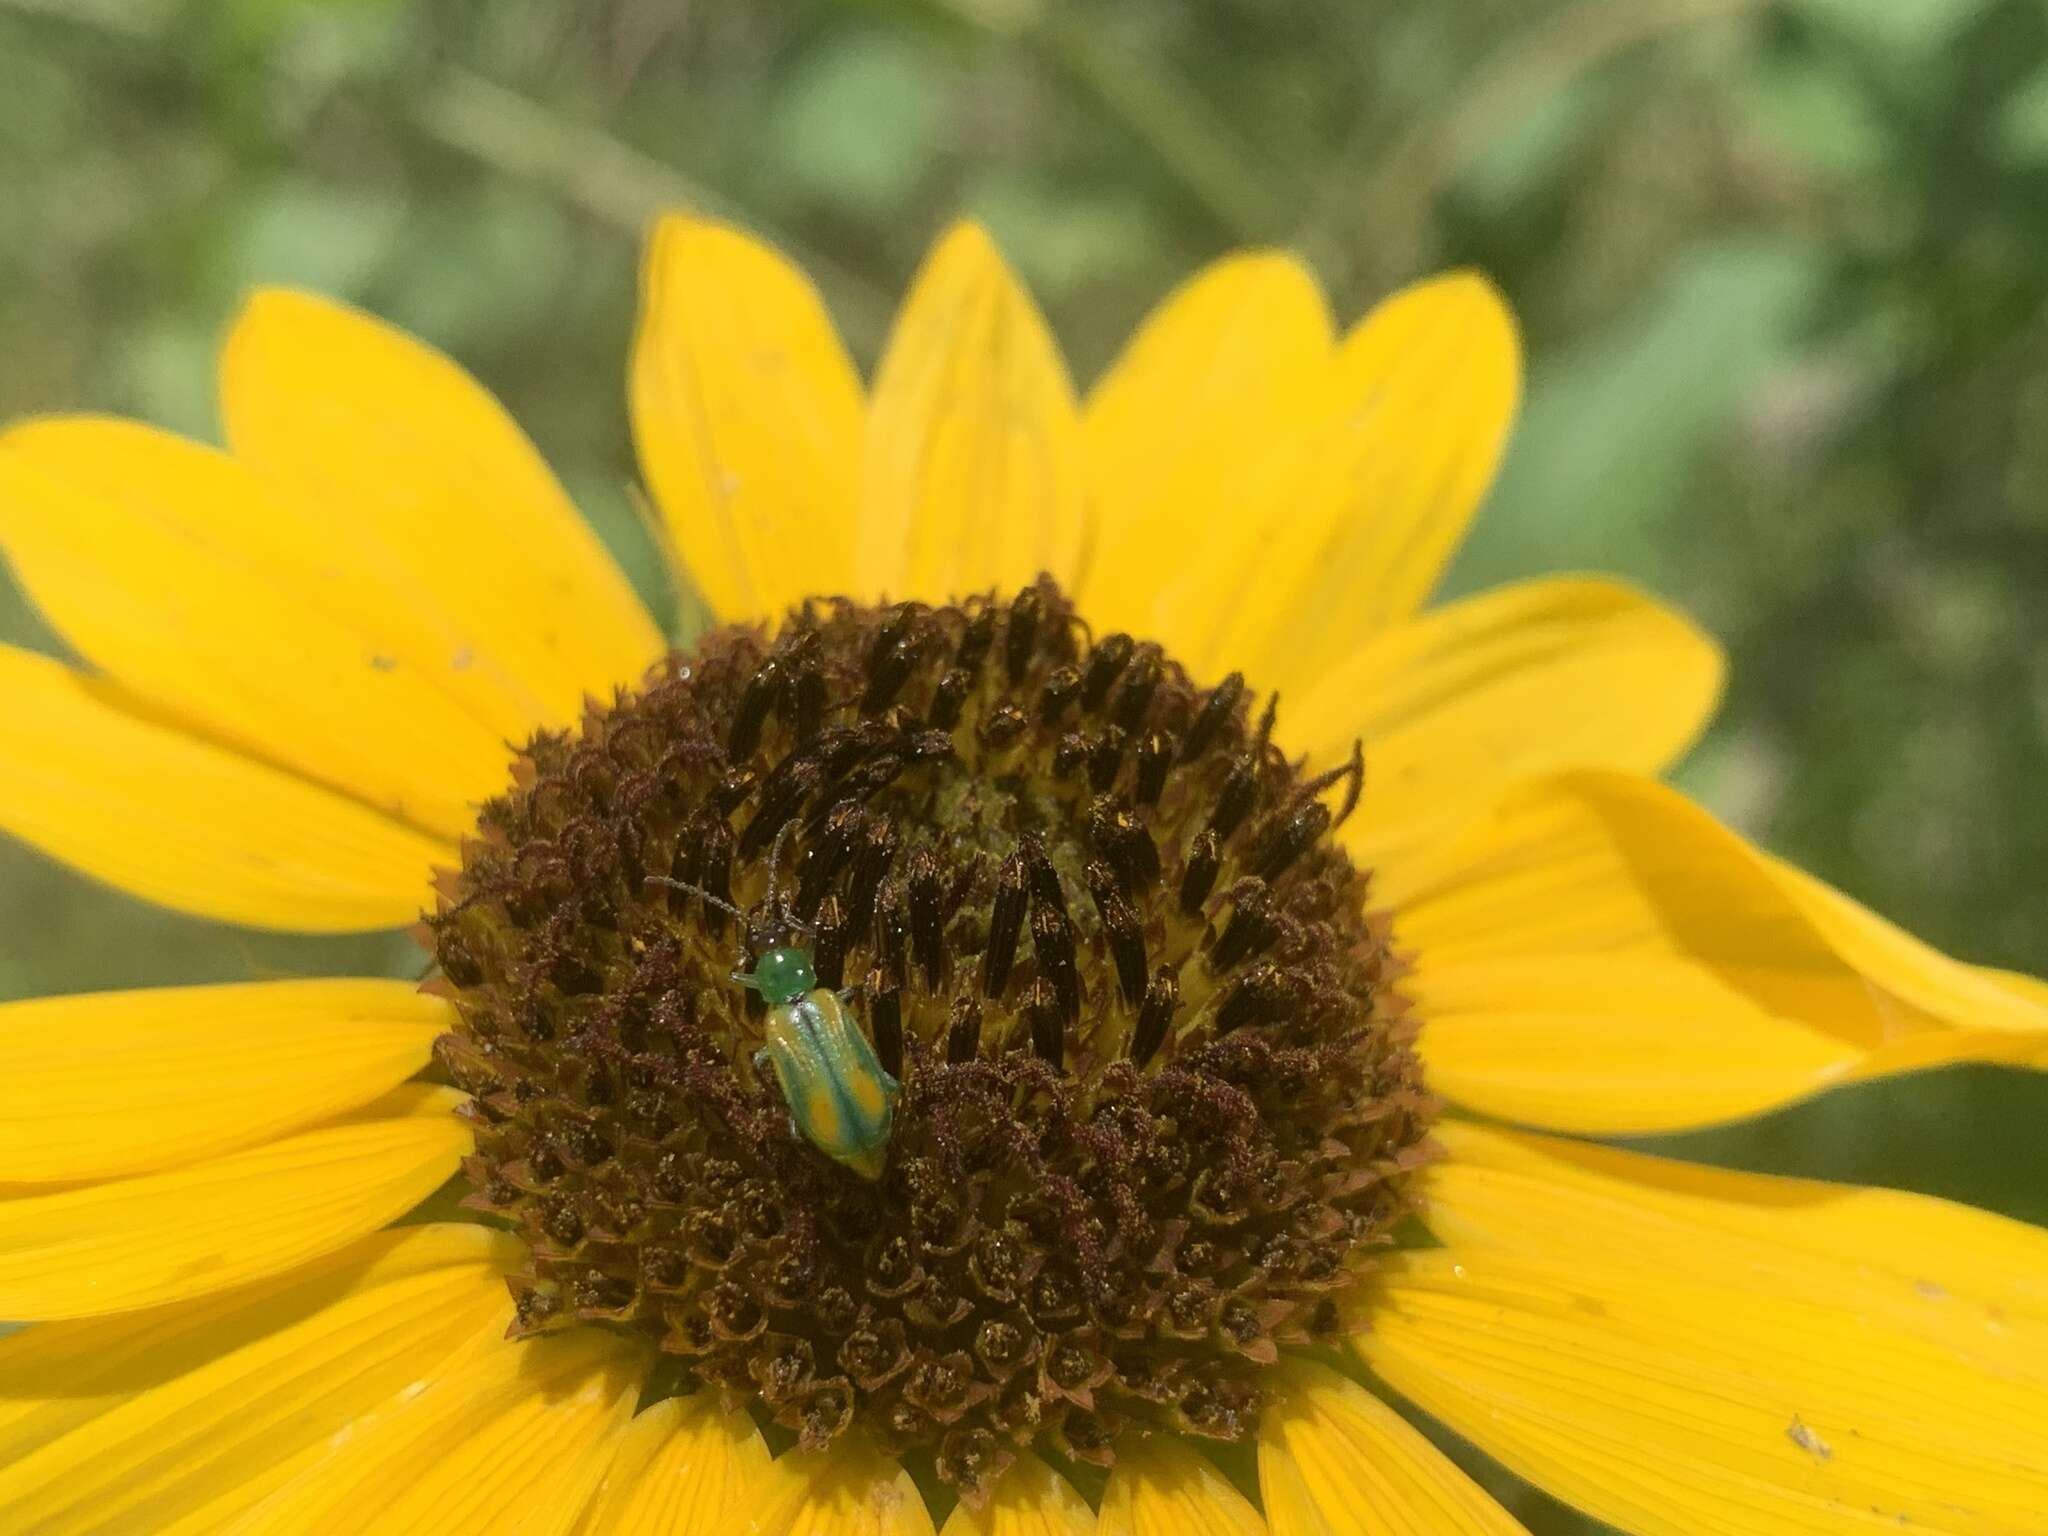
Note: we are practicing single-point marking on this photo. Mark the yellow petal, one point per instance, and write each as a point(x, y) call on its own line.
point(972, 472)
point(151, 1419)
point(1184, 426)
point(336, 569)
point(747, 414)
point(844, 1490)
point(676, 1469)
point(2030, 990)
point(137, 547)
point(1336, 1461)
point(165, 1237)
point(130, 1082)
point(510, 1440)
point(1458, 705)
point(1958, 994)
point(1605, 863)
point(1971, 1281)
point(1600, 955)
point(1669, 1403)
point(1618, 1045)
point(190, 825)
point(1357, 524)
point(390, 445)
point(1029, 1499)
point(1159, 1487)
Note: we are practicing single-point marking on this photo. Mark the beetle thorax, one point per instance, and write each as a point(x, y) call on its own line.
point(783, 974)
point(1158, 1103)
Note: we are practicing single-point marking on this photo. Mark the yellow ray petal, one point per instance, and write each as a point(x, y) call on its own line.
point(1187, 422)
point(1603, 863)
point(1336, 1461)
point(1675, 1403)
point(164, 1237)
point(337, 569)
point(118, 1083)
point(1598, 954)
point(511, 1440)
point(190, 825)
point(186, 1413)
point(1352, 536)
point(388, 443)
point(844, 1490)
point(2030, 990)
point(972, 472)
point(1971, 1281)
point(57, 1376)
point(1458, 705)
point(1962, 995)
point(1029, 1499)
point(676, 1469)
point(136, 545)
point(747, 414)
point(1159, 1487)
point(1620, 1045)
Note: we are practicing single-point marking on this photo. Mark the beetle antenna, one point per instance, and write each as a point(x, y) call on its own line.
point(774, 868)
point(697, 890)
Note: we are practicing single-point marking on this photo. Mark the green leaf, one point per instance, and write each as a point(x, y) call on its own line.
point(2023, 124)
point(857, 121)
point(1813, 114)
point(304, 233)
point(1597, 474)
point(1906, 30)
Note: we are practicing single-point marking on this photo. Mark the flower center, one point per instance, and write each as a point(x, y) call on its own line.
point(933, 1021)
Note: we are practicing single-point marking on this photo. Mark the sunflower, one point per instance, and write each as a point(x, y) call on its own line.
point(1192, 968)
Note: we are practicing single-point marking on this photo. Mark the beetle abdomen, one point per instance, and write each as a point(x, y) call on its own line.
point(838, 1095)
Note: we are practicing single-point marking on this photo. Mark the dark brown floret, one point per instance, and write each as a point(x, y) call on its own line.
point(1158, 1102)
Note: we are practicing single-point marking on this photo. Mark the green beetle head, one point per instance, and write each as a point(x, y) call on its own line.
point(781, 975)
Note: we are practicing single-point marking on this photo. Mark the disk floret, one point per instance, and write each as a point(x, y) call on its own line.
point(1158, 1098)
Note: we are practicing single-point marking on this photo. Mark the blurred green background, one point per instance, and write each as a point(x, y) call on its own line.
point(1783, 266)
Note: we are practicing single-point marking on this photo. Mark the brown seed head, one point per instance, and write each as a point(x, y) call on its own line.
point(1158, 1101)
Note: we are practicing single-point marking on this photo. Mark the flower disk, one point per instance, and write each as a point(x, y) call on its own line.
point(1158, 1098)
